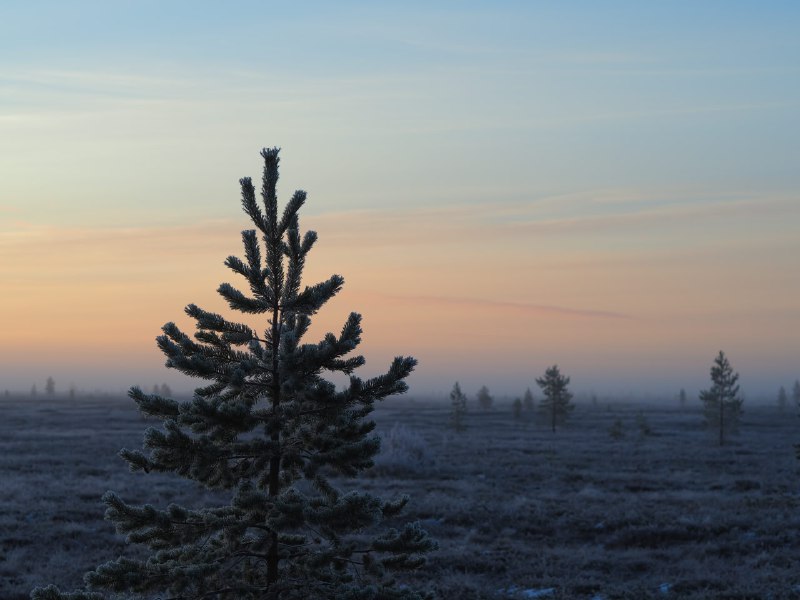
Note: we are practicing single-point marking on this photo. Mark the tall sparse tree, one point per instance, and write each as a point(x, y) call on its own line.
point(527, 400)
point(50, 387)
point(721, 402)
point(484, 398)
point(783, 398)
point(557, 402)
point(269, 431)
point(458, 408)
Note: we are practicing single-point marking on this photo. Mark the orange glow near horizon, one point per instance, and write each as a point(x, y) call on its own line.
point(460, 295)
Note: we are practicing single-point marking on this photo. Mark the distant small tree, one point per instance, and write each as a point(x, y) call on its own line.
point(783, 399)
point(643, 425)
point(516, 408)
point(50, 387)
point(72, 392)
point(682, 398)
point(166, 391)
point(617, 430)
point(721, 402)
point(458, 408)
point(528, 401)
point(796, 393)
point(34, 391)
point(485, 400)
point(556, 403)
point(6, 393)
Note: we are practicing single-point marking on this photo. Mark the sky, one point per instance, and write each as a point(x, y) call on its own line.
point(611, 187)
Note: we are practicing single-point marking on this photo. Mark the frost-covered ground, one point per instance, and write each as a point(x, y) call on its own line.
point(518, 511)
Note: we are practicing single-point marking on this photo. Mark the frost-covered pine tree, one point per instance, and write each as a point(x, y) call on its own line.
point(458, 408)
point(269, 431)
point(557, 402)
point(721, 402)
point(484, 398)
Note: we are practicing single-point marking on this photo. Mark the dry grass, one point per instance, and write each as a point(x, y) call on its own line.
point(519, 512)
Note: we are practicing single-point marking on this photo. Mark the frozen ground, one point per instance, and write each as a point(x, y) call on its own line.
point(518, 511)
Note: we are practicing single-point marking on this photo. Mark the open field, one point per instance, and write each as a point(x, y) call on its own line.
point(519, 512)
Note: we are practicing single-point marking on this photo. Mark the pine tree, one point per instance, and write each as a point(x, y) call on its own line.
point(617, 430)
point(516, 408)
point(721, 402)
point(50, 387)
point(796, 393)
point(783, 399)
point(485, 400)
point(34, 391)
point(556, 403)
point(270, 432)
point(682, 398)
point(458, 408)
point(527, 400)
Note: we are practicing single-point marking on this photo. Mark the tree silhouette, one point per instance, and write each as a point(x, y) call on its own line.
point(783, 398)
point(484, 398)
point(556, 403)
point(269, 431)
point(458, 408)
point(527, 400)
point(721, 402)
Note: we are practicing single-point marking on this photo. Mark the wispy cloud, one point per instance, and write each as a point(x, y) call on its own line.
point(549, 216)
point(481, 303)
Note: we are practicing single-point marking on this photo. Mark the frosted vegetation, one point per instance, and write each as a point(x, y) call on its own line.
point(513, 506)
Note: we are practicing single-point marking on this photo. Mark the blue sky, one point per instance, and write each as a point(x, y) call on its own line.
point(597, 153)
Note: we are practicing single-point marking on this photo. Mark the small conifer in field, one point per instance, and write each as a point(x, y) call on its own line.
point(458, 408)
point(643, 425)
point(516, 408)
point(527, 400)
point(269, 432)
point(484, 398)
point(721, 402)
point(557, 402)
point(617, 430)
point(783, 399)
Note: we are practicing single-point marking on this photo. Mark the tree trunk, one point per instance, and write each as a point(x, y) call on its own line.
point(275, 460)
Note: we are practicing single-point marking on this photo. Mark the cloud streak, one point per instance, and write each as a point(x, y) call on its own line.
point(483, 304)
